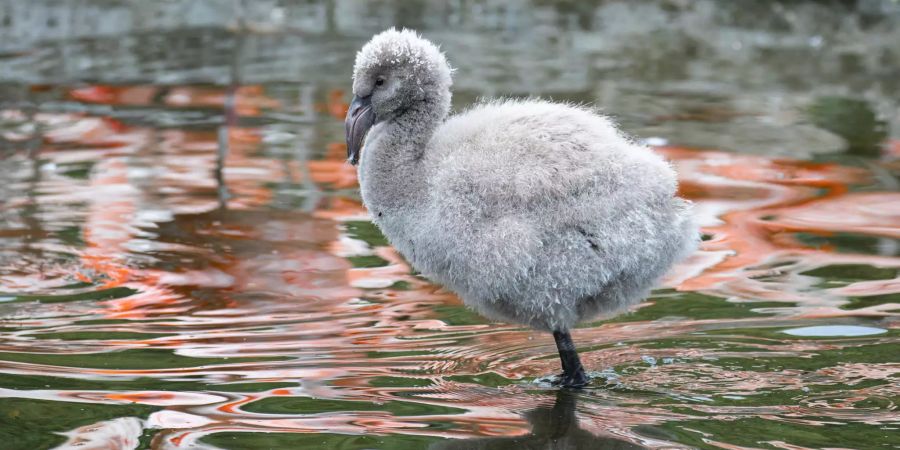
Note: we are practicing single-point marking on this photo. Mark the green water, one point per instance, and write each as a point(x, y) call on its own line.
point(185, 261)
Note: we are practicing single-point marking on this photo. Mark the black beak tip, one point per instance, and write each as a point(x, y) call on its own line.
point(357, 123)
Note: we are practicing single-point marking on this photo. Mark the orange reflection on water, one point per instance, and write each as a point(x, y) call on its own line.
point(267, 283)
point(752, 207)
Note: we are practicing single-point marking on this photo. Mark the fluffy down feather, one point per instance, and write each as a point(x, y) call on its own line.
point(533, 212)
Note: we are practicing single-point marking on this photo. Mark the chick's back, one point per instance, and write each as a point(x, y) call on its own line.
point(518, 157)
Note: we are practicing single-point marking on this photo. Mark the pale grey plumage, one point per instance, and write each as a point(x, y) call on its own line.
point(533, 212)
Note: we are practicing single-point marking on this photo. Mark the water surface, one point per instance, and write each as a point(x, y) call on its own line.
point(185, 261)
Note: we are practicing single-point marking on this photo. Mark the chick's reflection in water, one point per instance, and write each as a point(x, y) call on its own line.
point(552, 428)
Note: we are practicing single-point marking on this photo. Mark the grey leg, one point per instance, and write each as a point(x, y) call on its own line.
point(573, 375)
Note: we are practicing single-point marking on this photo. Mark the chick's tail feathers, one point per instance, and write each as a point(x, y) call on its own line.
point(687, 224)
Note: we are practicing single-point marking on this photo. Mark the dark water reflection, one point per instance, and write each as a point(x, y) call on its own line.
point(552, 427)
point(185, 263)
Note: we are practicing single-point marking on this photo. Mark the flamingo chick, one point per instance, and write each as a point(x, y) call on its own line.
point(533, 212)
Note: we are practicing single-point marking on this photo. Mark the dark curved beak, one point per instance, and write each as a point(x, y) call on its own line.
point(360, 118)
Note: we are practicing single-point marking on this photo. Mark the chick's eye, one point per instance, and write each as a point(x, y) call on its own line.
point(379, 82)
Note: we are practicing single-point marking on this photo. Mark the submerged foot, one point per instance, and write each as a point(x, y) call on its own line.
point(575, 380)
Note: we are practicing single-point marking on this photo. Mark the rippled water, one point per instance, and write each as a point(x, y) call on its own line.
point(185, 262)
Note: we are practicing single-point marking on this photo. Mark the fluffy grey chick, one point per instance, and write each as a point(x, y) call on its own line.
point(533, 212)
